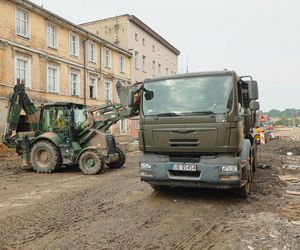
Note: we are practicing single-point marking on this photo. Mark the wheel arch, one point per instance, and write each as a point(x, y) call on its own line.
point(48, 136)
point(84, 150)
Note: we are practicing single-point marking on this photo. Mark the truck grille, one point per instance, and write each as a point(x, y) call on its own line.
point(183, 142)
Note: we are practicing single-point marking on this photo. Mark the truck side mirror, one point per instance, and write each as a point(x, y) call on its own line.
point(252, 90)
point(254, 105)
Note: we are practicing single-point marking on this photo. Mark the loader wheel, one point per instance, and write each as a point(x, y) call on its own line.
point(120, 162)
point(45, 157)
point(91, 162)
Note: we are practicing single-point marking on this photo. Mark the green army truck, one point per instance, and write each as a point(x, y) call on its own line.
point(197, 130)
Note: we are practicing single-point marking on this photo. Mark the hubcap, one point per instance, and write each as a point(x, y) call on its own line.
point(43, 158)
point(89, 163)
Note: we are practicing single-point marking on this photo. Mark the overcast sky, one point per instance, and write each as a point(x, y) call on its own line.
point(257, 37)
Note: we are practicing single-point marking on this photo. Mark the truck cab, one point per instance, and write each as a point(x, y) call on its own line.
point(196, 130)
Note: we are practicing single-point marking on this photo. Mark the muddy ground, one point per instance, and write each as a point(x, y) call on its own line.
point(114, 210)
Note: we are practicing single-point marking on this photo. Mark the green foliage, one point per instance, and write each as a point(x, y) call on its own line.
point(288, 113)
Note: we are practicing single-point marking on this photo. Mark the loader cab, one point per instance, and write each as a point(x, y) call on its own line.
point(61, 118)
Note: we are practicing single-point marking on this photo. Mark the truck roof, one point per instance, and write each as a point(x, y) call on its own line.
point(206, 73)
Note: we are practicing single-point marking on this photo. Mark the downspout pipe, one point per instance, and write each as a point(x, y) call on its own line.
point(84, 71)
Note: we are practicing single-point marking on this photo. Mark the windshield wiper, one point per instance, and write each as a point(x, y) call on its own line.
point(168, 114)
point(199, 113)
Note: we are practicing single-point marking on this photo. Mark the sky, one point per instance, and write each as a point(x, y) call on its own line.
point(252, 37)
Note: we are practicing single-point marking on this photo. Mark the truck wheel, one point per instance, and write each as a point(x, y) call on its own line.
point(91, 162)
point(254, 157)
point(45, 157)
point(244, 191)
point(120, 162)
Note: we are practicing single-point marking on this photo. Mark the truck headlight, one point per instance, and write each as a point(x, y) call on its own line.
point(230, 168)
point(145, 165)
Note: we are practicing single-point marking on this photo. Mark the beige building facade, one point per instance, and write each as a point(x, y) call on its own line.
point(56, 59)
point(152, 54)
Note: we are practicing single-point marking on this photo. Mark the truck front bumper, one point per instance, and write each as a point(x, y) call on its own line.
point(222, 171)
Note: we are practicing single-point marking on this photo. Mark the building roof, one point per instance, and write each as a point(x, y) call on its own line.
point(144, 27)
point(64, 22)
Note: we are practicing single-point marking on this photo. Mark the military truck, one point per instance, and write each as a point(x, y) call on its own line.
point(56, 134)
point(197, 130)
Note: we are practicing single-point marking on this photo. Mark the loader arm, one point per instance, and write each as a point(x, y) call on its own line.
point(103, 117)
point(19, 100)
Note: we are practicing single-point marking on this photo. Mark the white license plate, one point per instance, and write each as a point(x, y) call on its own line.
point(184, 167)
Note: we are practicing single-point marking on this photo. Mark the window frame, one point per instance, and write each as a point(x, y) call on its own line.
point(144, 63)
point(95, 78)
point(123, 126)
point(28, 72)
point(77, 90)
point(122, 63)
point(57, 82)
point(107, 58)
point(110, 91)
point(92, 56)
point(28, 31)
point(56, 36)
point(136, 59)
point(76, 46)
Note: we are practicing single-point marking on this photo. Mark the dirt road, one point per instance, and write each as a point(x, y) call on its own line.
point(114, 210)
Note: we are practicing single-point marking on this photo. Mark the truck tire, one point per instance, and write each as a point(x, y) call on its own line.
point(45, 157)
point(91, 162)
point(120, 162)
point(244, 191)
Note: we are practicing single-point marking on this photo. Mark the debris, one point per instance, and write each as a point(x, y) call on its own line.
point(289, 178)
point(289, 153)
point(296, 222)
point(263, 166)
point(293, 192)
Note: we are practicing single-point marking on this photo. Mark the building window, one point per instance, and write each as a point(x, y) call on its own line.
point(122, 63)
point(107, 57)
point(74, 45)
point(153, 48)
point(53, 79)
point(23, 71)
point(167, 71)
point(136, 59)
point(107, 91)
point(159, 69)
point(137, 123)
point(144, 61)
point(123, 126)
point(143, 41)
point(153, 67)
point(75, 84)
point(92, 52)
point(51, 36)
point(22, 23)
point(136, 37)
point(93, 87)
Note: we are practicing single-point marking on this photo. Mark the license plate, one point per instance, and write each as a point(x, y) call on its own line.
point(184, 167)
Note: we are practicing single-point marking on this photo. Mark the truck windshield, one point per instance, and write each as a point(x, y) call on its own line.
point(200, 95)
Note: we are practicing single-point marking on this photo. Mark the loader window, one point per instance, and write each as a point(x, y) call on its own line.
point(79, 117)
point(53, 119)
point(189, 96)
